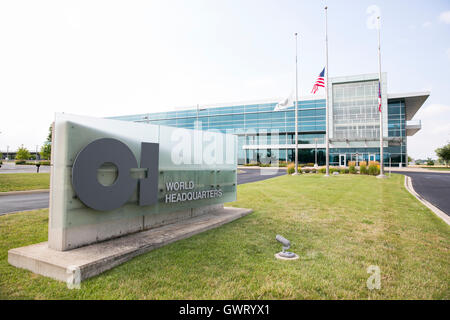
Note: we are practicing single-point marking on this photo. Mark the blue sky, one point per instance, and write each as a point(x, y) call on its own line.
point(103, 58)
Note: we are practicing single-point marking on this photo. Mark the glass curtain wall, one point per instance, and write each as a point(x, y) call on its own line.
point(355, 110)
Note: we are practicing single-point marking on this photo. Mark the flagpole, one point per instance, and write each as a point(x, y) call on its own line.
point(296, 108)
point(327, 173)
point(381, 175)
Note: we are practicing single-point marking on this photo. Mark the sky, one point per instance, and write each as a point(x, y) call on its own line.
point(108, 58)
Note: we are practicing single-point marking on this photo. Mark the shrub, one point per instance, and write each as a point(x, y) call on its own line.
point(45, 163)
point(306, 170)
point(310, 164)
point(363, 163)
point(352, 163)
point(374, 163)
point(313, 171)
point(301, 165)
point(265, 165)
point(253, 164)
point(374, 170)
point(332, 169)
point(322, 170)
point(20, 162)
point(352, 169)
point(290, 168)
point(363, 169)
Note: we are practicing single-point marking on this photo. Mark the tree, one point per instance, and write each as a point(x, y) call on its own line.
point(410, 159)
point(46, 149)
point(430, 162)
point(444, 153)
point(23, 153)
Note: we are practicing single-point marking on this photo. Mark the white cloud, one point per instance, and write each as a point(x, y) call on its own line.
point(445, 17)
point(426, 24)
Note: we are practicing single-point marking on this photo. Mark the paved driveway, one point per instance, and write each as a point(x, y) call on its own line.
point(253, 175)
point(12, 168)
point(432, 186)
point(22, 202)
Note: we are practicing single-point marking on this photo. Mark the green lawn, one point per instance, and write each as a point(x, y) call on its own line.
point(439, 168)
point(339, 226)
point(24, 181)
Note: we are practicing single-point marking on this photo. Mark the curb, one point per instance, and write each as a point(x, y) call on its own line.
point(10, 193)
point(436, 211)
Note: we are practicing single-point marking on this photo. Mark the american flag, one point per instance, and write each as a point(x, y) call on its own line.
point(320, 82)
point(379, 96)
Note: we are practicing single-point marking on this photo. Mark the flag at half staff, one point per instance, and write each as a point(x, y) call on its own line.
point(379, 96)
point(285, 103)
point(320, 82)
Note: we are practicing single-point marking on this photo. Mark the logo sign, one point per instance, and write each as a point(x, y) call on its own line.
point(99, 197)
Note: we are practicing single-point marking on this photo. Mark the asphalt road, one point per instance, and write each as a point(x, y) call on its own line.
point(22, 202)
point(433, 187)
point(253, 175)
point(12, 168)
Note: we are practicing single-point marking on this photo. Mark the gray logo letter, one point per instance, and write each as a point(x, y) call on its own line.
point(84, 174)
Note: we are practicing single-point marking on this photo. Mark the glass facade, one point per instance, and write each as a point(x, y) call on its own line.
point(355, 110)
point(267, 136)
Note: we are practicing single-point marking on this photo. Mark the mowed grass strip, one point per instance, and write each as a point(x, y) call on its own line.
point(438, 168)
point(339, 226)
point(24, 181)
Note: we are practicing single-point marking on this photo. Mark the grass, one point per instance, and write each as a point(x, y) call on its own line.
point(24, 181)
point(339, 226)
point(438, 168)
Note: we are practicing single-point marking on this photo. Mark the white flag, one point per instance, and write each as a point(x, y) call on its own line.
point(285, 103)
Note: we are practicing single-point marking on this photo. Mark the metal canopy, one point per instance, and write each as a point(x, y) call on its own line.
point(413, 101)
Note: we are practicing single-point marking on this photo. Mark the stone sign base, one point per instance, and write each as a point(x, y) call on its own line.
point(94, 259)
